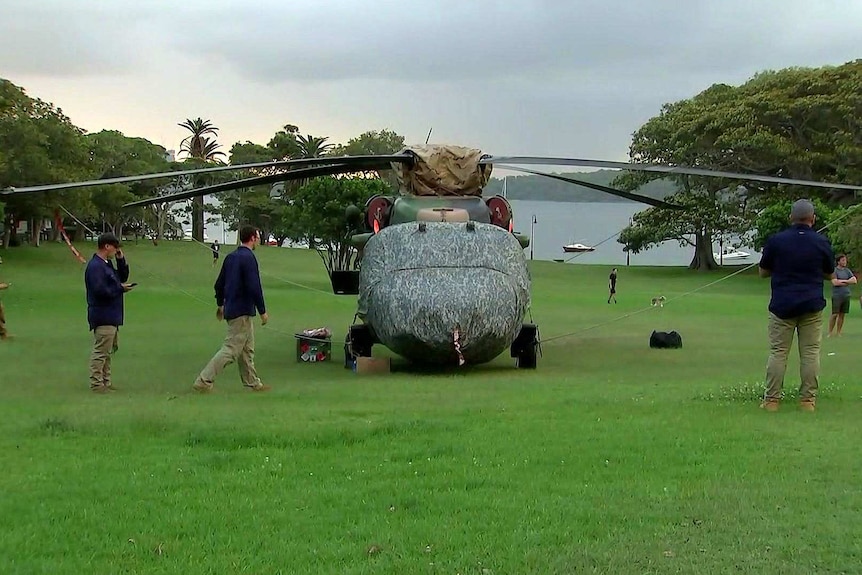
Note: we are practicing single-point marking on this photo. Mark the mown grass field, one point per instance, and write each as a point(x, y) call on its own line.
point(611, 457)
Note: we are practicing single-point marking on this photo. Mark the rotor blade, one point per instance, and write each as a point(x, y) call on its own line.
point(601, 188)
point(259, 180)
point(661, 169)
point(357, 161)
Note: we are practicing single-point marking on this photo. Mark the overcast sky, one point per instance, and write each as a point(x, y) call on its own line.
point(553, 77)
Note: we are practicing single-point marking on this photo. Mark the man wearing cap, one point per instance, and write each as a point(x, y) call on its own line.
point(3, 333)
point(797, 260)
point(106, 286)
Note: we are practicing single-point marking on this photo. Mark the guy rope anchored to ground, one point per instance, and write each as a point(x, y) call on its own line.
point(688, 293)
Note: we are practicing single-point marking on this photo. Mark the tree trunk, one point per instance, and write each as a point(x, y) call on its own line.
point(198, 218)
point(703, 259)
point(35, 232)
point(7, 231)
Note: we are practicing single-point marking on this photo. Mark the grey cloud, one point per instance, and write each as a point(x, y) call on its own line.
point(530, 76)
point(448, 41)
point(67, 39)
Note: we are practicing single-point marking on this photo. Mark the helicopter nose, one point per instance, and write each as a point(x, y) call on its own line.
point(449, 314)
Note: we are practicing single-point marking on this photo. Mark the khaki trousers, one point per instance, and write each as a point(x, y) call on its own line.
point(3, 332)
point(238, 346)
point(809, 328)
point(105, 342)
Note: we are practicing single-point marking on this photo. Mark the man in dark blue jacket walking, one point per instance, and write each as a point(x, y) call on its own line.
point(238, 293)
point(105, 289)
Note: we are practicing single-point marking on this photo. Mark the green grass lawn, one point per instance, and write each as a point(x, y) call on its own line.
point(611, 457)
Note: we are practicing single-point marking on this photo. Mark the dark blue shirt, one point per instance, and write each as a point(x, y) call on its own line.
point(238, 286)
point(798, 258)
point(105, 291)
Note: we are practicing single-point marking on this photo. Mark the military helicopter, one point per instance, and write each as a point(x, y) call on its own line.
point(443, 277)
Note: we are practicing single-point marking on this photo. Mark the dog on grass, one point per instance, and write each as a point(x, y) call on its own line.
point(658, 301)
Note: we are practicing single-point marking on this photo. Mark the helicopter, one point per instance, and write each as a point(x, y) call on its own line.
point(443, 278)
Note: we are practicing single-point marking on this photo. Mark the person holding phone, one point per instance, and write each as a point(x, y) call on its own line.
point(106, 286)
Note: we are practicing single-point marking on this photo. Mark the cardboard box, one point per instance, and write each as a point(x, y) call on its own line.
point(372, 365)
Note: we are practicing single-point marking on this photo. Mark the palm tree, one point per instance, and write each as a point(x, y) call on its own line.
point(313, 146)
point(194, 143)
point(200, 148)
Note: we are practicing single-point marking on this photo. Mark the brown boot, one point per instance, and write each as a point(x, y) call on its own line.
point(770, 405)
point(806, 405)
point(202, 388)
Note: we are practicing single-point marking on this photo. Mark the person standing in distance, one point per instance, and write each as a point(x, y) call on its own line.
point(844, 278)
point(215, 247)
point(612, 286)
point(105, 287)
point(798, 260)
point(238, 293)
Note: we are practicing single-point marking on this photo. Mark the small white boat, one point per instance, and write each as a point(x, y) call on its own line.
point(730, 254)
point(578, 248)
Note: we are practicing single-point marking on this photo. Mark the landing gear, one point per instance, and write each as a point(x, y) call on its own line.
point(526, 346)
point(358, 343)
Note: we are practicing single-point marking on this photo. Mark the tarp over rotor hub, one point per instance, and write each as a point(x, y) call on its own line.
point(442, 171)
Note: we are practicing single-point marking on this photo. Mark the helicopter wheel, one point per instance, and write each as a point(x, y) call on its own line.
point(527, 358)
point(357, 343)
point(525, 346)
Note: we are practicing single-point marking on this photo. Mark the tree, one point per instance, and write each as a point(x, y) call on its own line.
point(113, 154)
point(848, 238)
point(201, 150)
point(38, 145)
point(316, 214)
point(707, 216)
point(312, 146)
point(284, 143)
point(373, 143)
point(776, 218)
point(253, 205)
point(795, 123)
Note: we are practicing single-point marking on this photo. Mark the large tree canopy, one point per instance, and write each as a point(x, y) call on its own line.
point(38, 144)
point(112, 155)
point(795, 123)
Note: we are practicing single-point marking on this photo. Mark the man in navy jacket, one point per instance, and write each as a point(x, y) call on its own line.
point(105, 289)
point(797, 260)
point(238, 293)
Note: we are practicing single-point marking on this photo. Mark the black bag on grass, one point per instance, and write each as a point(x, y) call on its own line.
point(665, 340)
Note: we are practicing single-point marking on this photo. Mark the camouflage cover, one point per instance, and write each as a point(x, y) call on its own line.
point(442, 171)
point(416, 288)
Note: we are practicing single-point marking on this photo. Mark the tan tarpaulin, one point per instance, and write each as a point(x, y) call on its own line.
point(443, 171)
